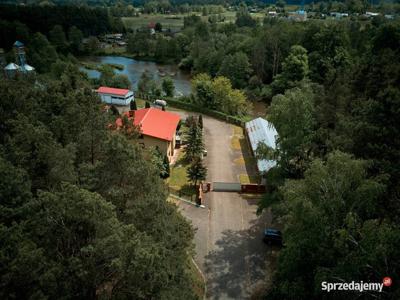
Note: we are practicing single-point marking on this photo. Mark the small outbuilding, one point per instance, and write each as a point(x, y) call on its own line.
point(115, 96)
point(261, 131)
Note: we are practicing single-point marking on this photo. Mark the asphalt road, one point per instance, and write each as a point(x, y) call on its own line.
point(229, 247)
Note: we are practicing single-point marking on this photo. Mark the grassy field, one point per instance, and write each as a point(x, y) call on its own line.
point(140, 103)
point(237, 137)
point(167, 21)
point(178, 177)
point(175, 21)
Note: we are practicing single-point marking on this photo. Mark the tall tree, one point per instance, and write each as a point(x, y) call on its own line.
point(75, 38)
point(293, 115)
point(327, 215)
point(196, 171)
point(294, 70)
point(58, 38)
point(42, 54)
point(145, 83)
point(236, 67)
point(168, 87)
point(132, 105)
point(194, 142)
point(200, 122)
point(243, 17)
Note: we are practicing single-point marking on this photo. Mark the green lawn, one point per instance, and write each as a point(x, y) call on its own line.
point(178, 177)
point(140, 103)
point(178, 181)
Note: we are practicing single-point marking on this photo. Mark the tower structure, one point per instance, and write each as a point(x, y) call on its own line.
point(20, 55)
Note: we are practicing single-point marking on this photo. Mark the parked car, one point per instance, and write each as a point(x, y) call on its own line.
point(272, 236)
point(160, 103)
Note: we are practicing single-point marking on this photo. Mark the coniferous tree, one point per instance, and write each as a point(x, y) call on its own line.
point(196, 171)
point(200, 122)
point(194, 142)
point(79, 202)
point(166, 168)
point(132, 105)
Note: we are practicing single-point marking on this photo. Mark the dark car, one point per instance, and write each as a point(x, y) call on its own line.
point(272, 236)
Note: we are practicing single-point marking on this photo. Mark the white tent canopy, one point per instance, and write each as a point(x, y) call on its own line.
point(261, 131)
point(28, 68)
point(11, 66)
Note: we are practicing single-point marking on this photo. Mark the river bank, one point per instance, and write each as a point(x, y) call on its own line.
point(133, 69)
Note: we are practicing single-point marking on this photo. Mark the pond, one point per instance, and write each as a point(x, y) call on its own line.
point(134, 68)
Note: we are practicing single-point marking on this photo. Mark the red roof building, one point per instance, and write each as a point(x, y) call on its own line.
point(112, 91)
point(158, 128)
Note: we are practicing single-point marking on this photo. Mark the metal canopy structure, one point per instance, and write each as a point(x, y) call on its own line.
point(261, 131)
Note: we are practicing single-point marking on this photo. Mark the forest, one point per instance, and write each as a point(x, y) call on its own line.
point(82, 199)
point(83, 212)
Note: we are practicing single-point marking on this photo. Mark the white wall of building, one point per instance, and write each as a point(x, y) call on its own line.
point(117, 99)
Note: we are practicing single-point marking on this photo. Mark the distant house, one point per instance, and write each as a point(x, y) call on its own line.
point(371, 14)
point(261, 131)
point(339, 15)
point(115, 96)
point(158, 128)
point(114, 37)
point(299, 15)
point(272, 13)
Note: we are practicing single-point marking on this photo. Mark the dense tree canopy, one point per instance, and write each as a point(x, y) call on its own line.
point(218, 94)
point(339, 211)
point(83, 213)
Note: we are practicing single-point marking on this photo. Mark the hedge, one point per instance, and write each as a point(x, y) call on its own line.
point(196, 108)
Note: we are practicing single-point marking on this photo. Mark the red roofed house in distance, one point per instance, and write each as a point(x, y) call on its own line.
point(115, 96)
point(158, 128)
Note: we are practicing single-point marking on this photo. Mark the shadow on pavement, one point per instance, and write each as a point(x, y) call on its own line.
point(238, 264)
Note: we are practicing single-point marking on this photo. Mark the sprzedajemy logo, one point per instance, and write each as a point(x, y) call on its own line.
point(360, 286)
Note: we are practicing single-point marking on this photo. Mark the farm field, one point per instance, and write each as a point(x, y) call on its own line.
point(167, 21)
point(175, 21)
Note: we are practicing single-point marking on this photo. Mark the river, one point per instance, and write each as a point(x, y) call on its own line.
point(134, 68)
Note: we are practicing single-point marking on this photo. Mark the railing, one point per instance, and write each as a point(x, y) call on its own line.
point(182, 194)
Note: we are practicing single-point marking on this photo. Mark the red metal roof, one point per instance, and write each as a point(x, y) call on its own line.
point(113, 91)
point(154, 122)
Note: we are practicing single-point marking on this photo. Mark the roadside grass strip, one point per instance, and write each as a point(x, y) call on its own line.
point(249, 179)
point(236, 143)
